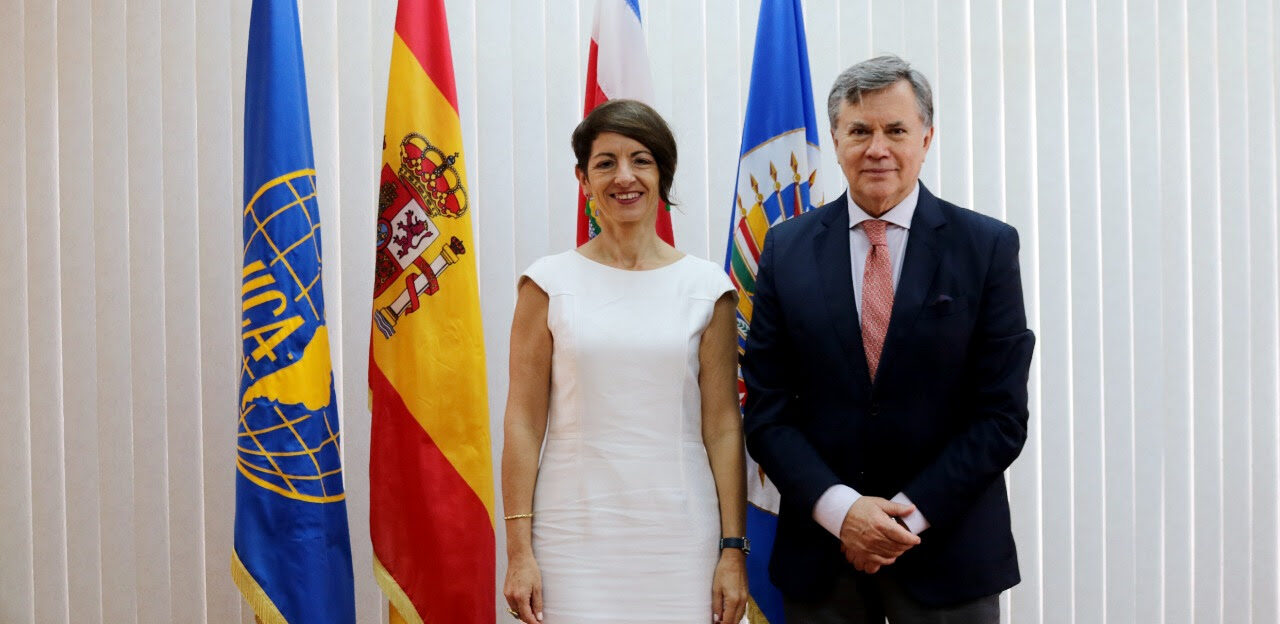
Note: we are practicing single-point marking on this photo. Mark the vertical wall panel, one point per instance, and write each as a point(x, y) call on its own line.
point(529, 139)
point(1087, 373)
point(147, 319)
point(566, 48)
point(1115, 308)
point(44, 313)
point(1177, 228)
point(111, 251)
point(987, 96)
point(217, 220)
point(953, 139)
point(659, 42)
point(1019, 104)
point(359, 158)
point(17, 599)
point(855, 35)
point(823, 19)
point(78, 295)
point(987, 123)
point(181, 305)
point(1206, 310)
point(921, 50)
point(1233, 128)
point(888, 25)
point(490, 171)
point(855, 42)
point(724, 112)
point(1260, 58)
point(676, 65)
point(690, 109)
point(1055, 338)
point(1146, 225)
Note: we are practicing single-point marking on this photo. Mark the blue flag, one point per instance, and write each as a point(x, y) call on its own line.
point(777, 172)
point(292, 557)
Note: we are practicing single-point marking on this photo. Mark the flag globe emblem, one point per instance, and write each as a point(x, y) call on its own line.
point(288, 438)
point(296, 456)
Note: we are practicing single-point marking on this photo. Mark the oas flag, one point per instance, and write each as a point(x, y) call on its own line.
point(777, 176)
point(292, 557)
point(431, 480)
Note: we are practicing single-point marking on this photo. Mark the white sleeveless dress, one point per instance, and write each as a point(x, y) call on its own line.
point(627, 522)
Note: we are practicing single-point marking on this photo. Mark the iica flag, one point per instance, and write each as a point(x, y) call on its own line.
point(431, 479)
point(777, 179)
point(292, 557)
point(617, 68)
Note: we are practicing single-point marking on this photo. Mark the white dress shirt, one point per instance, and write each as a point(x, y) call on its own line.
point(834, 504)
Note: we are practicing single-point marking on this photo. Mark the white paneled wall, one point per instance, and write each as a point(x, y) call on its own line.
point(1132, 142)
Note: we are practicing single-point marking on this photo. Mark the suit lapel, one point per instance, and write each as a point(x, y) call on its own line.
point(918, 269)
point(836, 279)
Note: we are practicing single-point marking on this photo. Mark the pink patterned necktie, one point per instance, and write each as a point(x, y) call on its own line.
point(877, 293)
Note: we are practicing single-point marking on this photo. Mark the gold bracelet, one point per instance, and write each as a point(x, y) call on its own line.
point(518, 516)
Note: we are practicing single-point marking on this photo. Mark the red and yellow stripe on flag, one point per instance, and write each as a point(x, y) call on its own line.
point(431, 478)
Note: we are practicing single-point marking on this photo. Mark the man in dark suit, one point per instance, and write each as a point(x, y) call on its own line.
point(886, 371)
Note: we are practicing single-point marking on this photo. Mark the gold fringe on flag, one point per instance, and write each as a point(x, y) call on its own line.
point(264, 610)
point(402, 609)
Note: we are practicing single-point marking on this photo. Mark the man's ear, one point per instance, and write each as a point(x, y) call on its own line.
point(928, 138)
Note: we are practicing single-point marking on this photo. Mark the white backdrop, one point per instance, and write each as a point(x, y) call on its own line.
point(1132, 142)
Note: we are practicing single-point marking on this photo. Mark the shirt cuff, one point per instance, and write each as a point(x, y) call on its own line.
point(833, 506)
point(915, 520)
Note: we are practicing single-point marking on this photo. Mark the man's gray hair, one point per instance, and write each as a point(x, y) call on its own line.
point(876, 74)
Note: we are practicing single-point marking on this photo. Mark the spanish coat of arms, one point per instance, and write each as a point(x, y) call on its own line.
point(427, 187)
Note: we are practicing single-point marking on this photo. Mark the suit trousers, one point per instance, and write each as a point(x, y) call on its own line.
point(869, 599)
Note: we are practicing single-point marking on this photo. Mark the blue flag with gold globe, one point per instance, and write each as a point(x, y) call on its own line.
point(292, 557)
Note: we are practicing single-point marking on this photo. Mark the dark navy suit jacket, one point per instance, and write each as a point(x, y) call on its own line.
point(946, 415)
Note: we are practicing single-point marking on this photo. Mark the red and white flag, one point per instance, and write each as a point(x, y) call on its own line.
point(617, 67)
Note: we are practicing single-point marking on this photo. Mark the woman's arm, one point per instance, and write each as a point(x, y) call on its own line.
point(524, 427)
point(722, 436)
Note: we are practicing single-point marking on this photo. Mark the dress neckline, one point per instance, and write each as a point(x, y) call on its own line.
point(614, 268)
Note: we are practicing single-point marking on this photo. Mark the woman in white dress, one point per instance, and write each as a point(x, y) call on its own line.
point(624, 361)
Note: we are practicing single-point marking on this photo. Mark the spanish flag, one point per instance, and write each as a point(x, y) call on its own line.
point(431, 490)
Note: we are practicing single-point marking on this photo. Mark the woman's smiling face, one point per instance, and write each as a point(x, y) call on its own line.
point(621, 178)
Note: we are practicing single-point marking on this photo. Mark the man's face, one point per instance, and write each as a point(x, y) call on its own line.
point(880, 144)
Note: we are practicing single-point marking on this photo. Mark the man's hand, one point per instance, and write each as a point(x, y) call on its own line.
point(870, 537)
